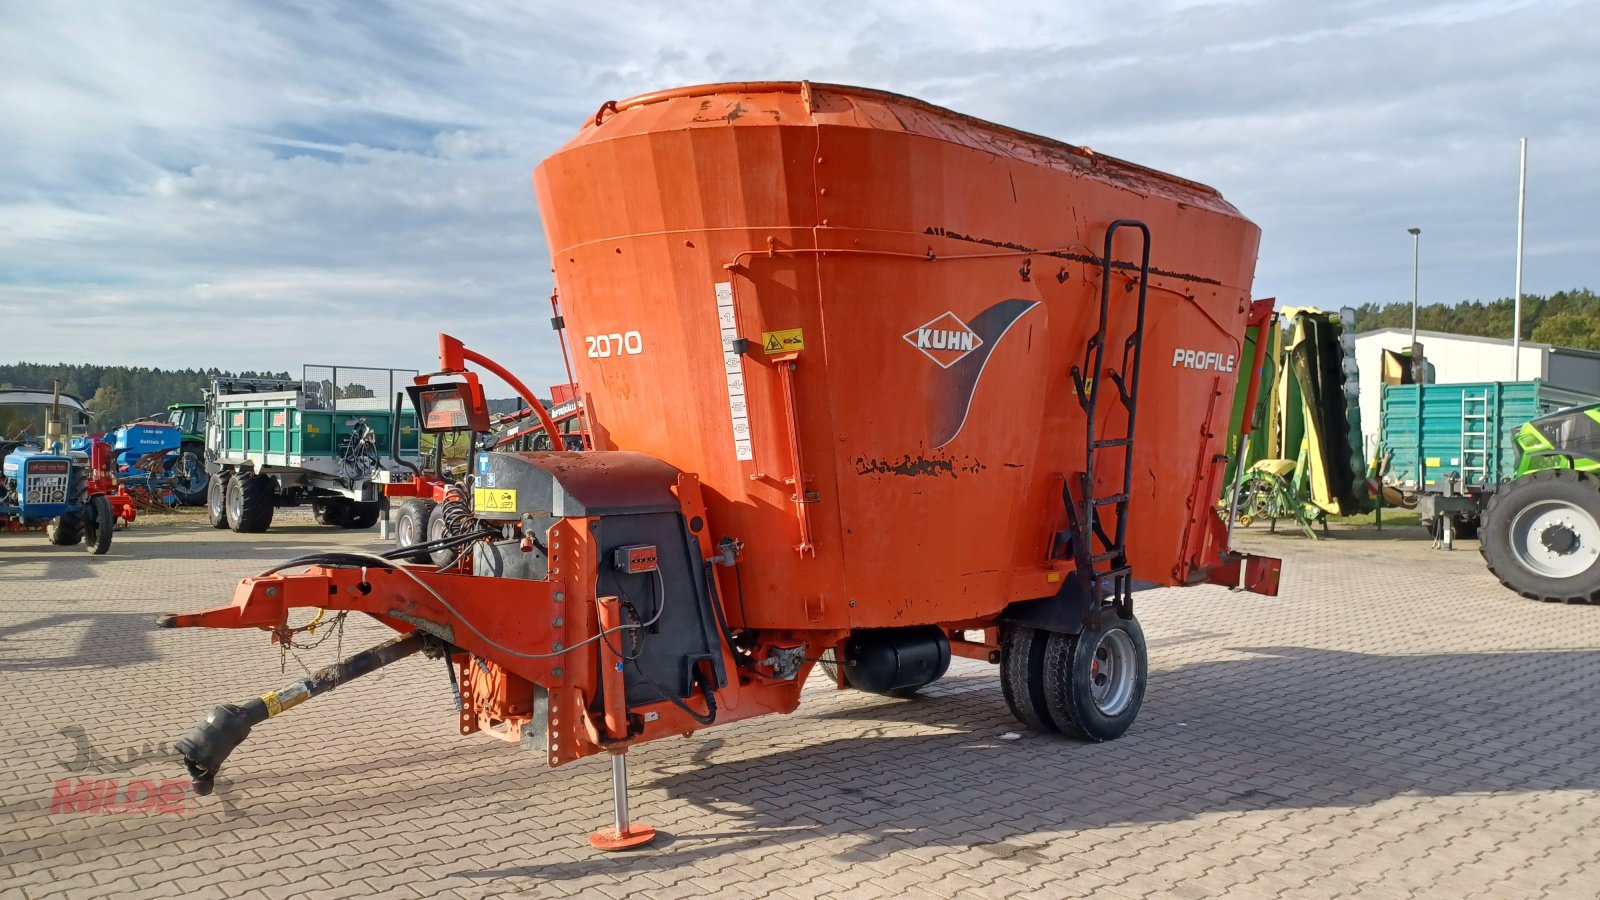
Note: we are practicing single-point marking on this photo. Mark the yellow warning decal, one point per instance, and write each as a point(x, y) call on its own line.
point(495, 500)
point(273, 706)
point(790, 340)
point(1432, 462)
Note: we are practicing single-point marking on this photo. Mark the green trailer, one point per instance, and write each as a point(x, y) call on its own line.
point(1449, 446)
point(328, 440)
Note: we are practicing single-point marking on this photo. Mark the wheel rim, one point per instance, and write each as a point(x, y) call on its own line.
point(235, 502)
point(1112, 672)
point(405, 531)
point(1555, 539)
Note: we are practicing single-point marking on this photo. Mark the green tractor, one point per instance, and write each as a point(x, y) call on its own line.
point(1541, 529)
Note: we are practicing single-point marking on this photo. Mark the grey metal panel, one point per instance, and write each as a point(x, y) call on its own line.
point(1576, 370)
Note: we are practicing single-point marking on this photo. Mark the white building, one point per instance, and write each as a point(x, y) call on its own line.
point(1458, 358)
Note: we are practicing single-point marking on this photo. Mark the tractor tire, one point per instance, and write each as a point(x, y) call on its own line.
point(1022, 651)
point(65, 531)
point(331, 512)
point(99, 525)
point(190, 482)
point(1095, 679)
point(411, 526)
point(361, 516)
point(249, 503)
point(217, 500)
point(1541, 536)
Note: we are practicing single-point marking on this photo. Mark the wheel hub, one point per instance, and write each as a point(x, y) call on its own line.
point(1559, 539)
point(1112, 673)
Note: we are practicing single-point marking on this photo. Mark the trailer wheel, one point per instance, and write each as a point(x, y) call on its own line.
point(1541, 536)
point(249, 503)
point(99, 525)
point(360, 516)
point(1022, 676)
point(65, 531)
point(411, 526)
point(217, 500)
point(436, 532)
point(828, 662)
point(1094, 680)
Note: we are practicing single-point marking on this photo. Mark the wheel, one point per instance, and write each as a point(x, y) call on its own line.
point(249, 503)
point(1094, 680)
point(217, 500)
point(411, 526)
point(436, 532)
point(828, 662)
point(1022, 676)
point(65, 531)
point(99, 525)
point(332, 511)
point(361, 515)
point(1541, 535)
point(189, 477)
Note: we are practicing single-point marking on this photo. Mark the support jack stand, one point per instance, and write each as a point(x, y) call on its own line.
point(623, 835)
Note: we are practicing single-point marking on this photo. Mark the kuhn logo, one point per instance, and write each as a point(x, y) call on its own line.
point(945, 340)
point(1199, 359)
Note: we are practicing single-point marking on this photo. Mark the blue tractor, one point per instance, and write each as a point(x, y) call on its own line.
point(44, 484)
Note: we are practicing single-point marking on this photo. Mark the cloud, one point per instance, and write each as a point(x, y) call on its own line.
point(257, 184)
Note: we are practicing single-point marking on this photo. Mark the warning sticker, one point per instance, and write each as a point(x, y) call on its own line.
point(501, 500)
point(790, 340)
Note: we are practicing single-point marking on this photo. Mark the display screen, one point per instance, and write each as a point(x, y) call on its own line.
point(447, 407)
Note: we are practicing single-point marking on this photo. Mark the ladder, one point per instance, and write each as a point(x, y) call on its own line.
point(1101, 557)
point(1474, 439)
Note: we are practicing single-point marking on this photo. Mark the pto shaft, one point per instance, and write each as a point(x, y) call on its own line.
point(208, 744)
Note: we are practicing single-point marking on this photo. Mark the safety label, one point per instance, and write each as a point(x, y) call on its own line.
point(495, 500)
point(733, 366)
point(789, 340)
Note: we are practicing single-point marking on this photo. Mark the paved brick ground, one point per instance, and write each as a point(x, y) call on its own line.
point(1394, 725)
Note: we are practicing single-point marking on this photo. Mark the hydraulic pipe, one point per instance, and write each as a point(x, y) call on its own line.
point(208, 744)
point(453, 356)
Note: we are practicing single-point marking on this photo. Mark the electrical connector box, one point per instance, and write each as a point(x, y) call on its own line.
point(634, 559)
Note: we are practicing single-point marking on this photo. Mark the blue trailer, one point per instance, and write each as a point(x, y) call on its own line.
point(1448, 446)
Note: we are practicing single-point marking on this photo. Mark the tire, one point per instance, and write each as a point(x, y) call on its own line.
point(411, 526)
point(99, 525)
point(1095, 680)
point(360, 516)
point(437, 532)
point(1541, 536)
point(249, 503)
point(828, 662)
point(331, 512)
point(190, 482)
point(65, 531)
point(1022, 651)
point(217, 500)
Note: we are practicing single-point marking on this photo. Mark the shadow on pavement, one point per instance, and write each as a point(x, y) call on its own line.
point(1285, 728)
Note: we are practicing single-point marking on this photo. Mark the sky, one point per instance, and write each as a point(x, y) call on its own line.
point(261, 185)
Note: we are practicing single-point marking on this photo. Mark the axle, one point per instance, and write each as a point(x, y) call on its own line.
point(208, 744)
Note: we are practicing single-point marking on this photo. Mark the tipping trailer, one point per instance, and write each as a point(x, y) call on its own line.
point(324, 440)
point(1451, 446)
point(861, 374)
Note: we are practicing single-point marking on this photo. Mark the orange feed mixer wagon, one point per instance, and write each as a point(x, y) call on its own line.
point(867, 380)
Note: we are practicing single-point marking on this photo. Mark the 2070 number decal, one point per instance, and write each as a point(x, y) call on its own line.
point(629, 343)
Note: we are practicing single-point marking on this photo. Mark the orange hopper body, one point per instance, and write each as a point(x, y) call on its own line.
point(936, 277)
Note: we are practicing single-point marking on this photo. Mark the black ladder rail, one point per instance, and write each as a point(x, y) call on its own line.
point(1083, 511)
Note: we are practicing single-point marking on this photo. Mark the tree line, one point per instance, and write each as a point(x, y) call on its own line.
point(120, 394)
point(1564, 319)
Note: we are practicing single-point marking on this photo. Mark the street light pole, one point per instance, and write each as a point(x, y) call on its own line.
point(1516, 305)
point(1416, 257)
